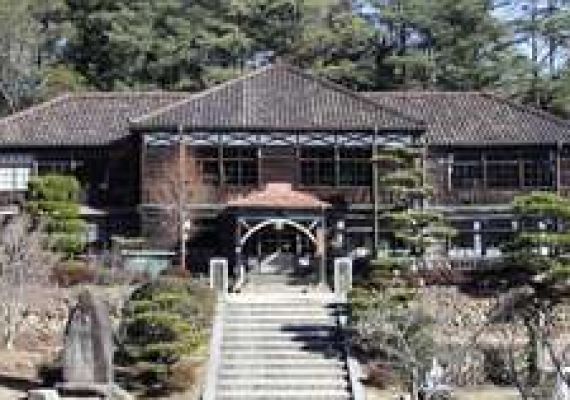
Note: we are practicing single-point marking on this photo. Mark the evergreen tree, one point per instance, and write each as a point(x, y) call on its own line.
point(54, 201)
point(163, 322)
point(537, 270)
point(448, 44)
point(406, 219)
point(170, 44)
point(20, 42)
point(342, 48)
point(540, 29)
point(540, 248)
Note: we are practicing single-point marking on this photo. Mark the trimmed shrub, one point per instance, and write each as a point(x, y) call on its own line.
point(165, 322)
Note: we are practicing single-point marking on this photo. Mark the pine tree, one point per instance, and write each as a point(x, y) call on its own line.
point(406, 220)
point(169, 44)
point(537, 271)
point(164, 321)
point(540, 248)
point(448, 44)
point(54, 201)
point(540, 29)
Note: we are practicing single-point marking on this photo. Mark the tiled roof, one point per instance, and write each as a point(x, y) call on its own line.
point(279, 97)
point(471, 118)
point(83, 119)
point(279, 195)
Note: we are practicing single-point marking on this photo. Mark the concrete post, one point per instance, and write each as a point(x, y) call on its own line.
point(477, 239)
point(219, 275)
point(342, 276)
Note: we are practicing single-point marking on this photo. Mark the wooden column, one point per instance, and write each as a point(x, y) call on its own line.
point(142, 161)
point(182, 198)
point(375, 189)
point(450, 160)
point(336, 162)
point(259, 183)
point(521, 169)
point(558, 182)
point(484, 168)
point(221, 172)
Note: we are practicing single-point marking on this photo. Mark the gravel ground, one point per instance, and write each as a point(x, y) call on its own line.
point(480, 393)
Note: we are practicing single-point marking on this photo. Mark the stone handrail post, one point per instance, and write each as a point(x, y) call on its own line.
point(219, 280)
point(342, 277)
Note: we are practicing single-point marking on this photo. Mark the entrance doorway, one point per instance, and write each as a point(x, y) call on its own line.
point(281, 250)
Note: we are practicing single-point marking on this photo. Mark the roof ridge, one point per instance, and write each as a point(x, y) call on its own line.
point(528, 108)
point(421, 92)
point(104, 94)
point(201, 94)
point(34, 108)
point(289, 68)
point(335, 86)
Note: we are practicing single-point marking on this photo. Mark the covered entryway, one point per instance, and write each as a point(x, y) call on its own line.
point(281, 232)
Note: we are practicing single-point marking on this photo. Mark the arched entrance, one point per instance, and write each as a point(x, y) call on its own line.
point(281, 228)
point(282, 246)
point(271, 244)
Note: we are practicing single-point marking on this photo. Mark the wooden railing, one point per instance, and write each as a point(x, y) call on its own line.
point(477, 197)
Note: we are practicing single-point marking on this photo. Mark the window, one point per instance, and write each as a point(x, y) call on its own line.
point(14, 178)
point(466, 169)
point(62, 167)
point(207, 164)
point(240, 166)
point(355, 167)
point(467, 175)
point(538, 173)
point(503, 174)
point(317, 166)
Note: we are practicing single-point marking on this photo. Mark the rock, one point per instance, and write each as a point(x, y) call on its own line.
point(117, 393)
point(43, 394)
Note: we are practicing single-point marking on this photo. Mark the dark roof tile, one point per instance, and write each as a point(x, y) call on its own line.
point(278, 97)
point(82, 119)
point(474, 118)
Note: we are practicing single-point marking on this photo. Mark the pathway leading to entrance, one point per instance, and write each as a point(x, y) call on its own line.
point(281, 340)
point(281, 274)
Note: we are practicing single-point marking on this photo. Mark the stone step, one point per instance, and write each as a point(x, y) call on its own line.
point(298, 335)
point(271, 364)
point(282, 345)
point(278, 309)
point(281, 298)
point(282, 319)
point(284, 394)
point(279, 327)
point(284, 384)
point(288, 354)
point(292, 373)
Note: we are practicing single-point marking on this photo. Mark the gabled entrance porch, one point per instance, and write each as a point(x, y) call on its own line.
point(280, 237)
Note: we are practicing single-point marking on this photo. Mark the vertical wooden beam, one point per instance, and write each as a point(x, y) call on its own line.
point(375, 189)
point(450, 160)
point(259, 166)
point(336, 161)
point(221, 171)
point(297, 182)
point(484, 168)
point(521, 169)
point(143, 199)
point(182, 198)
point(558, 182)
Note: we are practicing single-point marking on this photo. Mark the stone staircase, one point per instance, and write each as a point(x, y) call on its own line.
point(287, 280)
point(281, 345)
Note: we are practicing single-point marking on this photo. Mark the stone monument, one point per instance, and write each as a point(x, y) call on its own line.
point(88, 348)
point(562, 389)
